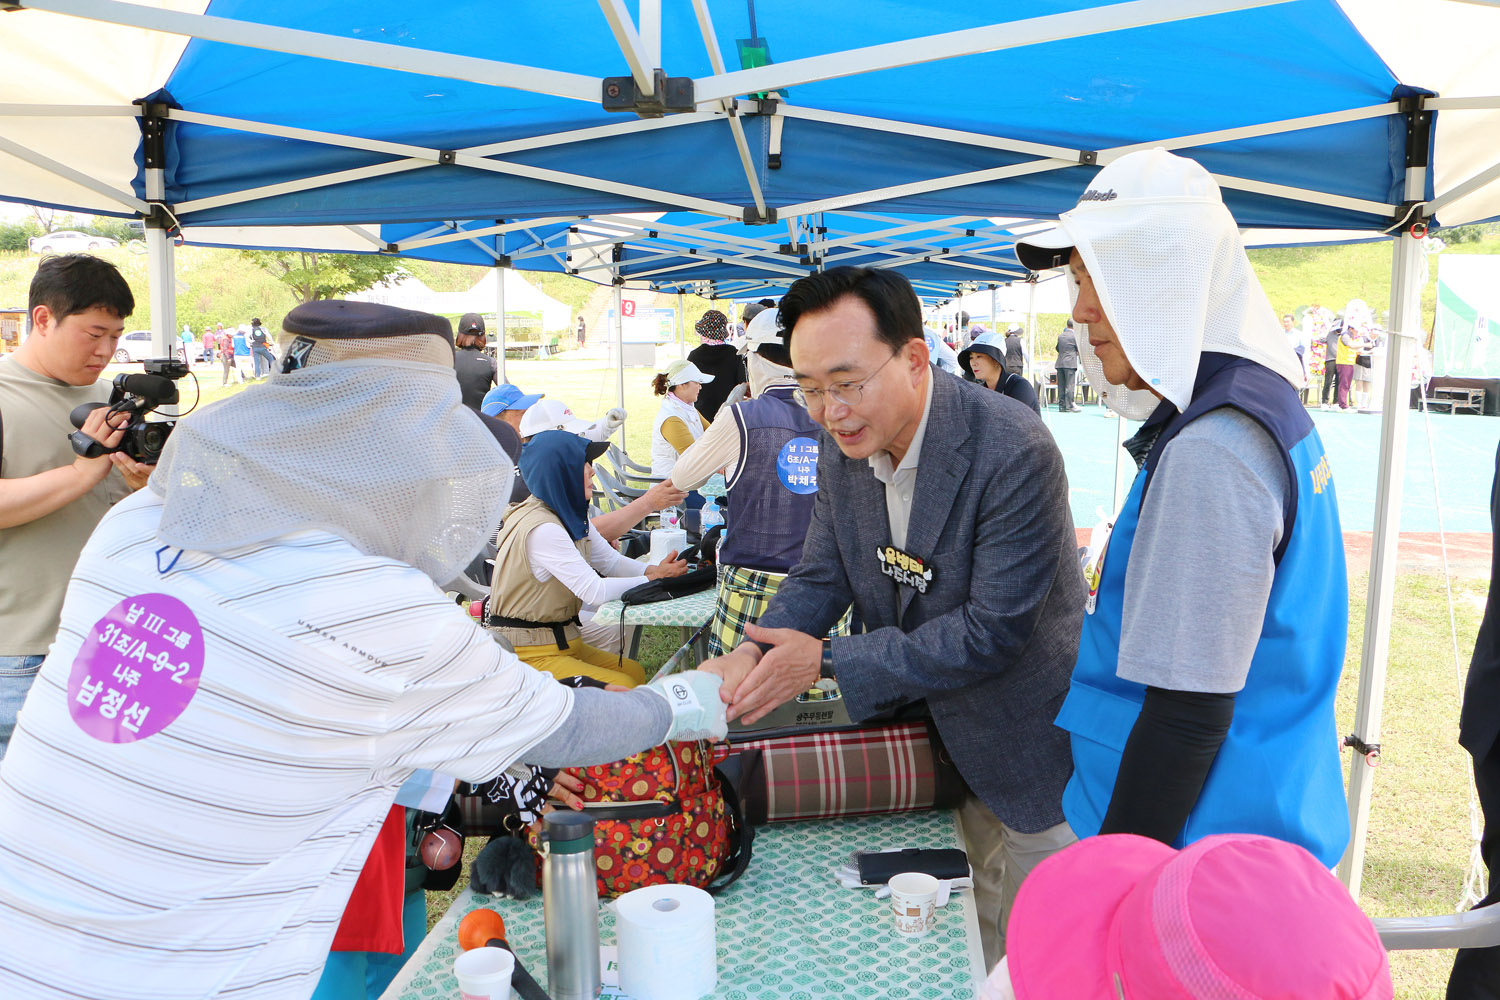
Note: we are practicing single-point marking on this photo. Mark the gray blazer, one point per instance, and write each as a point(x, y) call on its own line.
point(992, 643)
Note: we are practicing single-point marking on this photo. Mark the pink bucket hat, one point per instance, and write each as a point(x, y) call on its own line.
point(1230, 917)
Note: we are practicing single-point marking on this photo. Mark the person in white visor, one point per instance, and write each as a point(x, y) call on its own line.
point(1202, 700)
point(678, 422)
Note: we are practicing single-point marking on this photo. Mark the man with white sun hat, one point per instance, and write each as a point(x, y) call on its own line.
point(1202, 700)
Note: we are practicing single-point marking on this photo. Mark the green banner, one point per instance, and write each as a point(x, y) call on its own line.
point(1467, 321)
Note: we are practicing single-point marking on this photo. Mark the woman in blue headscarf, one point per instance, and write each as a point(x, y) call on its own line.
point(551, 561)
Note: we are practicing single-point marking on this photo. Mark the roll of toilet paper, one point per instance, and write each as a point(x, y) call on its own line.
point(667, 945)
point(665, 541)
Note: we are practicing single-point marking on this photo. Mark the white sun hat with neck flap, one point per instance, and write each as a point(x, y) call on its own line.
point(1170, 269)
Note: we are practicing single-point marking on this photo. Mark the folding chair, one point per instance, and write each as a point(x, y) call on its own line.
point(626, 469)
point(609, 490)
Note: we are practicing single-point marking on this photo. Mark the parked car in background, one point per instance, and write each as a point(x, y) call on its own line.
point(134, 346)
point(70, 241)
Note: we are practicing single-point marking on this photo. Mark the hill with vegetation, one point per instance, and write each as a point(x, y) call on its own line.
point(221, 286)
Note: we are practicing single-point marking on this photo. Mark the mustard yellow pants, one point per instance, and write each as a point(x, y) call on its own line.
point(579, 659)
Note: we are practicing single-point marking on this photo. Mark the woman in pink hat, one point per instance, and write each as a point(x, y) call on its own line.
point(1231, 917)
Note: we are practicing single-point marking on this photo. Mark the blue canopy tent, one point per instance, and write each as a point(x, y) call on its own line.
point(1361, 114)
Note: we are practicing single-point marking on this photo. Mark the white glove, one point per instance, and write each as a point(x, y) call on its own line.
point(601, 429)
point(738, 394)
point(698, 713)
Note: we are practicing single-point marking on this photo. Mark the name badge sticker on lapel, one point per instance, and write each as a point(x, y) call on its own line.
point(905, 568)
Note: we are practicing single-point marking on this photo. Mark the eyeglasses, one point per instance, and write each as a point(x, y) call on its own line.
point(847, 393)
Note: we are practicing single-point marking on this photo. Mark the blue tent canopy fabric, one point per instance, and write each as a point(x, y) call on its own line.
point(1013, 118)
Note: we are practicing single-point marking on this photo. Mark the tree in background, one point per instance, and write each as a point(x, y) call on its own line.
point(313, 276)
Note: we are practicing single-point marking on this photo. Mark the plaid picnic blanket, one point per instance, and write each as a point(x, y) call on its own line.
point(744, 595)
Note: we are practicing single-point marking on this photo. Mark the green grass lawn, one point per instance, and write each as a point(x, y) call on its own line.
point(1418, 849)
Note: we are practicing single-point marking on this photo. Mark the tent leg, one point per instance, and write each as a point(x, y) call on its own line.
point(161, 269)
point(620, 349)
point(500, 322)
point(1031, 337)
point(994, 315)
point(681, 326)
point(1406, 318)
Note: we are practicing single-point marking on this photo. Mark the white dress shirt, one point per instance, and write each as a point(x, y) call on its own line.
point(901, 481)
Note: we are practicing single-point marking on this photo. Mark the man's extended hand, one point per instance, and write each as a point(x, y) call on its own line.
point(733, 667)
point(785, 671)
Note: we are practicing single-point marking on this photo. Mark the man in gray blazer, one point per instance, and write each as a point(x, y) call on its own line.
point(942, 516)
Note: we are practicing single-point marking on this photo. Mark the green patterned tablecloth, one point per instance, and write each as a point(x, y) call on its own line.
point(692, 611)
point(785, 930)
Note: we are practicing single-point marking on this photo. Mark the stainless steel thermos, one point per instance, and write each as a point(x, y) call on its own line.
point(570, 904)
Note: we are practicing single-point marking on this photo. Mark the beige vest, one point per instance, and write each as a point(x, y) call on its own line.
point(516, 593)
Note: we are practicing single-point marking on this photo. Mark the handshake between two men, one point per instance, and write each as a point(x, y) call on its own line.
point(746, 683)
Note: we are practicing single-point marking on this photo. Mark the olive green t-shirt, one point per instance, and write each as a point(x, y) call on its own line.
point(36, 559)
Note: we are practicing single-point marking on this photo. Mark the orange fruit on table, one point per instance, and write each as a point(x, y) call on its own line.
point(479, 926)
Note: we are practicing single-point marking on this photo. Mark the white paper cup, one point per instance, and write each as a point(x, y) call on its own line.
point(913, 903)
point(484, 974)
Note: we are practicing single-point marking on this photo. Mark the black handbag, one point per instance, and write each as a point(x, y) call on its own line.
point(669, 588)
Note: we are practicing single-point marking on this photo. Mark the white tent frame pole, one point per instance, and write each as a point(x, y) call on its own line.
point(161, 272)
point(1465, 188)
point(631, 127)
point(1461, 103)
point(716, 61)
point(1405, 326)
point(597, 184)
point(294, 41)
point(620, 347)
point(638, 227)
point(957, 225)
point(1031, 331)
point(122, 198)
point(1045, 165)
point(500, 321)
point(69, 111)
point(637, 52)
point(682, 324)
point(952, 44)
point(464, 234)
point(925, 187)
point(928, 132)
point(369, 237)
point(994, 313)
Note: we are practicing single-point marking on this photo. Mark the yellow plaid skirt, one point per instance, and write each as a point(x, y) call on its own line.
point(744, 595)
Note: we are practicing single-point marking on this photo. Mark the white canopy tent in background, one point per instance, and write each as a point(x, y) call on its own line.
point(520, 297)
point(1282, 101)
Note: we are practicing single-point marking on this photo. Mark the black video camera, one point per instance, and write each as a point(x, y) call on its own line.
point(136, 395)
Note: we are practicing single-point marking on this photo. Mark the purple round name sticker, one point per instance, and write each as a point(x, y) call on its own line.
point(137, 670)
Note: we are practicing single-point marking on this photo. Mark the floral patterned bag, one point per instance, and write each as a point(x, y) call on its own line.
point(678, 821)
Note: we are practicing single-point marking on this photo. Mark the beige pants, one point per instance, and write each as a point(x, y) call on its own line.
point(1001, 859)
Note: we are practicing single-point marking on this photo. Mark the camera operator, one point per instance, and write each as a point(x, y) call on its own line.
point(50, 498)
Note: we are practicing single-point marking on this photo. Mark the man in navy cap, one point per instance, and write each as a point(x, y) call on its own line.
point(508, 403)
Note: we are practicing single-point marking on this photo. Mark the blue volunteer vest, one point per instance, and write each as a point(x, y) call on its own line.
point(1278, 771)
point(772, 494)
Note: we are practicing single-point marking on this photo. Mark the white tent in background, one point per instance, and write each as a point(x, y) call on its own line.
point(521, 296)
point(403, 293)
